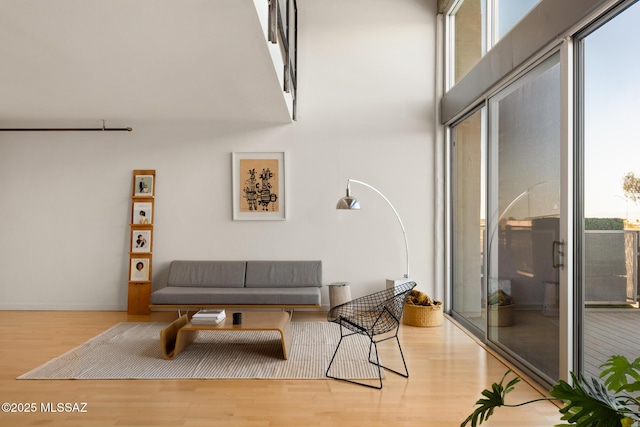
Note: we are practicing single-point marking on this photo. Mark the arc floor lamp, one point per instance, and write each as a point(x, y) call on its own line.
point(349, 202)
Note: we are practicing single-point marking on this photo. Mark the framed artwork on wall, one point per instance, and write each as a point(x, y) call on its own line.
point(258, 186)
point(142, 213)
point(140, 269)
point(143, 184)
point(141, 240)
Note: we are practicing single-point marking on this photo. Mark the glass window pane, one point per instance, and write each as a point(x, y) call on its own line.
point(611, 209)
point(469, 207)
point(509, 12)
point(469, 42)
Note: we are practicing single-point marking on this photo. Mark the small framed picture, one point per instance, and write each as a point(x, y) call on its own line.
point(141, 240)
point(142, 213)
point(140, 269)
point(258, 186)
point(143, 183)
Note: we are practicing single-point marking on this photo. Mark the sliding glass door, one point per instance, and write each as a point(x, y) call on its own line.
point(523, 231)
point(610, 209)
point(544, 190)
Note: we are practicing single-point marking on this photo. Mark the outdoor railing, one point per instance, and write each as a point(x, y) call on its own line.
point(610, 266)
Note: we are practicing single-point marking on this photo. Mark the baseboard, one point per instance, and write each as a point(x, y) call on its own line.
point(63, 307)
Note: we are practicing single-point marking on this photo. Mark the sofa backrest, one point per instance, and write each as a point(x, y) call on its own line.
point(210, 274)
point(283, 274)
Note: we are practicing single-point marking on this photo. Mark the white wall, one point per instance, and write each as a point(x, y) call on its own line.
point(366, 111)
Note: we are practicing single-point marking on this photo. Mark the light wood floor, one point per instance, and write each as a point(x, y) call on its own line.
point(448, 369)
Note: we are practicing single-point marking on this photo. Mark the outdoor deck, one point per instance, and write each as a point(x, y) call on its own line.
point(609, 332)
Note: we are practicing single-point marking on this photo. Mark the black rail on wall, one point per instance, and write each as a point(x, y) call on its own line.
point(283, 29)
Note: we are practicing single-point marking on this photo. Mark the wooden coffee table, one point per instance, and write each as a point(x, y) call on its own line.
point(179, 334)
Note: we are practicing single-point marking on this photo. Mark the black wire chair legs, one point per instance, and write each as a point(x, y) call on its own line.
point(373, 350)
point(402, 374)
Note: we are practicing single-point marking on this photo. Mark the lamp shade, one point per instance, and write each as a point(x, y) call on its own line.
point(348, 202)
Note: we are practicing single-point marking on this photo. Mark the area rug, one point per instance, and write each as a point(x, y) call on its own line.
point(132, 351)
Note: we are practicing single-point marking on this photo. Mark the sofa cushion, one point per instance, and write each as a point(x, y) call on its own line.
point(211, 274)
point(283, 274)
point(230, 296)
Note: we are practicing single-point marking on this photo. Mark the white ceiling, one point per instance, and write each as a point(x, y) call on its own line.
point(136, 60)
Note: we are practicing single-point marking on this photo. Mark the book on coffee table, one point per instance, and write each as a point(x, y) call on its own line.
point(208, 317)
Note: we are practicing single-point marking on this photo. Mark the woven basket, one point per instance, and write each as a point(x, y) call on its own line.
point(501, 315)
point(422, 315)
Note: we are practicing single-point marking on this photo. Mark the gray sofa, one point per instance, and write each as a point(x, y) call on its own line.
point(201, 284)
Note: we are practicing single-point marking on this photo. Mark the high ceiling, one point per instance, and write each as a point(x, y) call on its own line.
point(136, 60)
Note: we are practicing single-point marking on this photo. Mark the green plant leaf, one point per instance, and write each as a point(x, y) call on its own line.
point(494, 398)
point(588, 405)
point(618, 370)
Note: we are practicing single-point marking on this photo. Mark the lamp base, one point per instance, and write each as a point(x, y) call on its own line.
point(392, 283)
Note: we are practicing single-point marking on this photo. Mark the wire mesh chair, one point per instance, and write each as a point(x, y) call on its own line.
point(372, 315)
